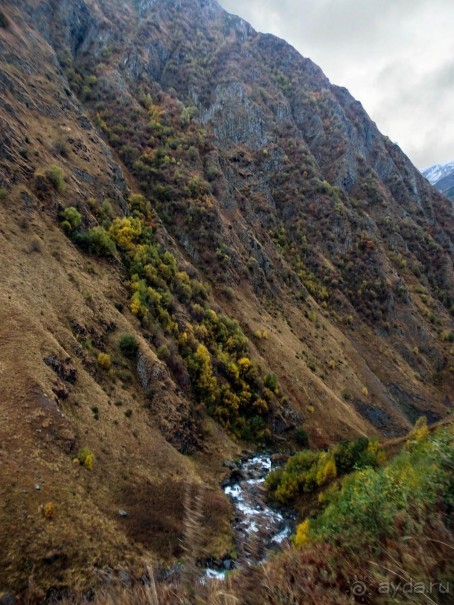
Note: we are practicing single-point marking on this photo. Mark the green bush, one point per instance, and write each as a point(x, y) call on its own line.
point(271, 382)
point(3, 193)
point(96, 241)
point(301, 437)
point(163, 352)
point(347, 395)
point(67, 227)
point(55, 176)
point(71, 219)
point(128, 345)
point(447, 336)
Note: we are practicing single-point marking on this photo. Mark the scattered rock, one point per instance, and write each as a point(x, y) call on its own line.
point(125, 578)
point(37, 487)
point(60, 391)
point(236, 475)
point(122, 513)
point(63, 369)
point(230, 464)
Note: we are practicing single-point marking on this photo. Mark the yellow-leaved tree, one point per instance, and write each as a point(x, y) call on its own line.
point(326, 468)
point(206, 382)
point(302, 536)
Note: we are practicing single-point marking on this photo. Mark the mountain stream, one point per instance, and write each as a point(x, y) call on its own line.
point(258, 526)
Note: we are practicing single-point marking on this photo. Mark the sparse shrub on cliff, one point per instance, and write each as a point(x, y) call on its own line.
point(86, 458)
point(56, 177)
point(36, 244)
point(128, 345)
point(163, 352)
point(447, 336)
point(312, 316)
point(48, 510)
point(419, 432)
point(125, 231)
point(301, 437)
point(208, 355)
point(96, 241)
point(71, 219)
point(347, 394)
point(271, 382)
point(104, 361)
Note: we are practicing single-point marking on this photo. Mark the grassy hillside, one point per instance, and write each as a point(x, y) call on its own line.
point(380, 535)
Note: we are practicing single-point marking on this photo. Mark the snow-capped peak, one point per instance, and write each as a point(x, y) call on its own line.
point(438, 171)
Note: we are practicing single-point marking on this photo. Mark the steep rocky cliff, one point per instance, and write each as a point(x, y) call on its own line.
point(292, 268)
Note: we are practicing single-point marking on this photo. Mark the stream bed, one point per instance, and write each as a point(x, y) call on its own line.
point(258, 527)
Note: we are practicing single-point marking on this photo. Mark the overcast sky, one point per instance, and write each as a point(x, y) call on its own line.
point(395, 56)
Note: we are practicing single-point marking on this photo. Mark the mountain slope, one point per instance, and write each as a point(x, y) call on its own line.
point(277, 212)
point(441, 176)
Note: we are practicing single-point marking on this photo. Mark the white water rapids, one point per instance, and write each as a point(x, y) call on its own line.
point(258, 527)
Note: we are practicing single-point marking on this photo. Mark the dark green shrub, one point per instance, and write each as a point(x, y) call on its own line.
point(271, 382)
point(128, 345)
point(96, 241)
point(301, 437)
point(346, 394)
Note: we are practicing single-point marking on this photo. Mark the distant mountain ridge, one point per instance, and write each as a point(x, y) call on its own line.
point(441, 176)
